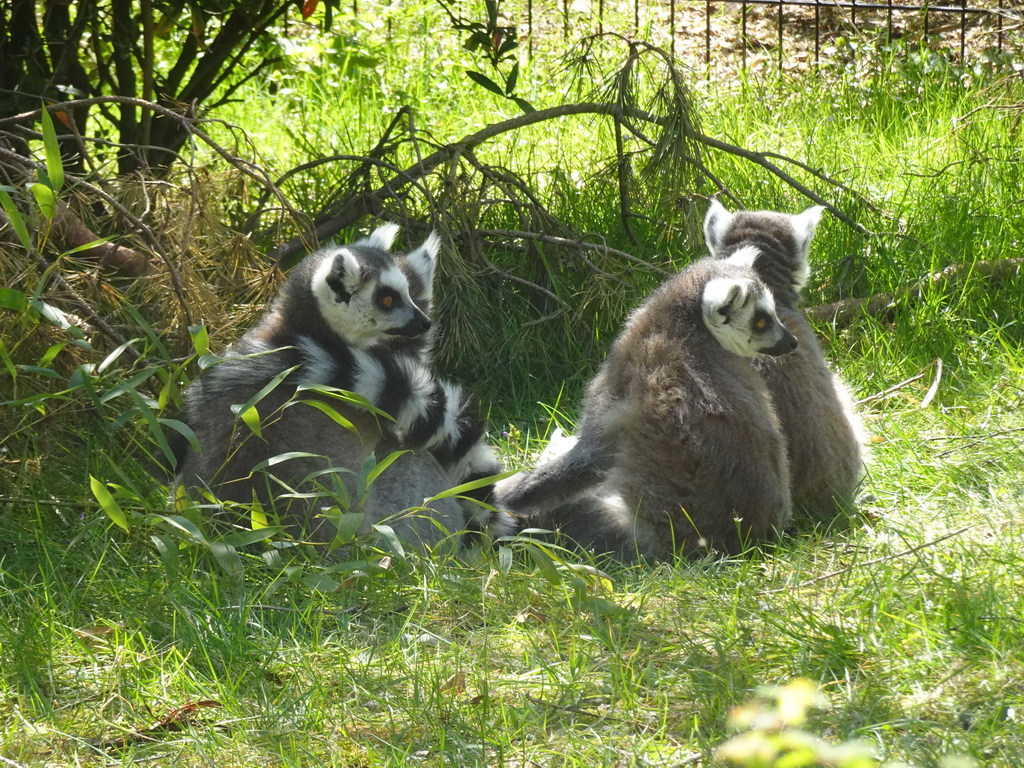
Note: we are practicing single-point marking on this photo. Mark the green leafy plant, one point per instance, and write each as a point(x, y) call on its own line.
point(774, 734)
point(498, 42)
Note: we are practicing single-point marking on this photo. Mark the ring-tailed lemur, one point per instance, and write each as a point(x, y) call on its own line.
point(824, 436)
point(356, 318)
point(678, 448)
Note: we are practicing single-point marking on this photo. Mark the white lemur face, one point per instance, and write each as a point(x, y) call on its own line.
point(367, 294)
point(740, 313)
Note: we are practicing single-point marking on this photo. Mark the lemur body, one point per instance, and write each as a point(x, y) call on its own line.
point(678, 448)
point(354, 318)
point(824, 435)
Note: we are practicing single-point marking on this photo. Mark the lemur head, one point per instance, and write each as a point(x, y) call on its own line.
point(740, 313)
point(775, 244)
point(367, 294)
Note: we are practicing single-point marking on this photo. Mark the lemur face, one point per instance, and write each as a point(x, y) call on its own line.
point(740, 313)
point(366, 294)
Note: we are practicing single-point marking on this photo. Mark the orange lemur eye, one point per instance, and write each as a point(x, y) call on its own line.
point(761, 324)
point(387, 299)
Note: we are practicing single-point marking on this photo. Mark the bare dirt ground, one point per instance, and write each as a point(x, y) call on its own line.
point(729, 34)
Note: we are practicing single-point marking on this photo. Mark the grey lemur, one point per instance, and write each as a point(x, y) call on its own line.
point(678, 448)
point(823, 433)
point(353, 318)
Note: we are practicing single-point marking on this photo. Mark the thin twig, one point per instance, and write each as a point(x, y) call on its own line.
point(843, 312)
point(875, 561)
point(895, 387)
point(975, 440)
point(573, 710)
point(570, 243)
point(760, 158)
point(287, 609)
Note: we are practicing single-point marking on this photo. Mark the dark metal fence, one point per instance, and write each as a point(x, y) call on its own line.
point(704, 31)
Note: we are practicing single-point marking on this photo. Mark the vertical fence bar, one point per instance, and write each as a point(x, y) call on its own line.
point(853, 15)
point(529, 30)
point(636, 17)
point(888, 23)
point(565, 20)
point(707, 33)
point(817, 33)
point(1000, 25)
point(600, 17)
point(743, 39)
point(780, 35)
point(672, 28)
point(963, 30)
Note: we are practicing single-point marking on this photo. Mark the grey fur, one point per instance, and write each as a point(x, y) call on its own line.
point(823, 433)
point(678, 448)
point(331, 326)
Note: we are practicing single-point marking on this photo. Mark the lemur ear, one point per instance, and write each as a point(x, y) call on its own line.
point(744, 257)
point(722, 297)
point(337, 277)
point(382, 237)
point(716, 223)
point(346, 265)
point(804, 225)
point(424, 259)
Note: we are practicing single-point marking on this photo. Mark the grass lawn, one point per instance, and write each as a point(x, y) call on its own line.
point(148, 647)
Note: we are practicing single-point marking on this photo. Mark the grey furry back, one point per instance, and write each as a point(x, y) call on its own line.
point(323, 455)
point(824, 435)
point(678, 449)
point(354, 318)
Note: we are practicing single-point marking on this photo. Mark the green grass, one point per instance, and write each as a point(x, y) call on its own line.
point(910, 618)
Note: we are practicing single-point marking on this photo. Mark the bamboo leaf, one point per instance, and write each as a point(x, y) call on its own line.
point(184, 430)
point(512, 79)
point(54, 164)
point(186, 526)
point(382, 465)
point(14, 215)
point(150, 417)
point(227, 558)
point(45, 199)
point(251, 418)
point(332, 413)
point(282, 457)
point(257, 517)
point(13, 299)
point(524, 105)
point(243, 411)
point(108, 503)
point(472, 485)
point(248, 538)
point(390, 540)
point(485, 81)
point(200, 339)
point(167, 548)
point(12, 369)
point(346, 526)
point(545, 564)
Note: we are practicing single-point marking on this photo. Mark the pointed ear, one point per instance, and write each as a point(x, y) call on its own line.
point(716, 224)
point(722, 296)
point(744, 257)
point(383, 236)
point(336, 277)
point(347, 266)
point(424, 259)
point(804, 225)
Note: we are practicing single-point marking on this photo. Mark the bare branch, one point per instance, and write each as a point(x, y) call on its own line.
point(844, 311)
point(569, 243)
